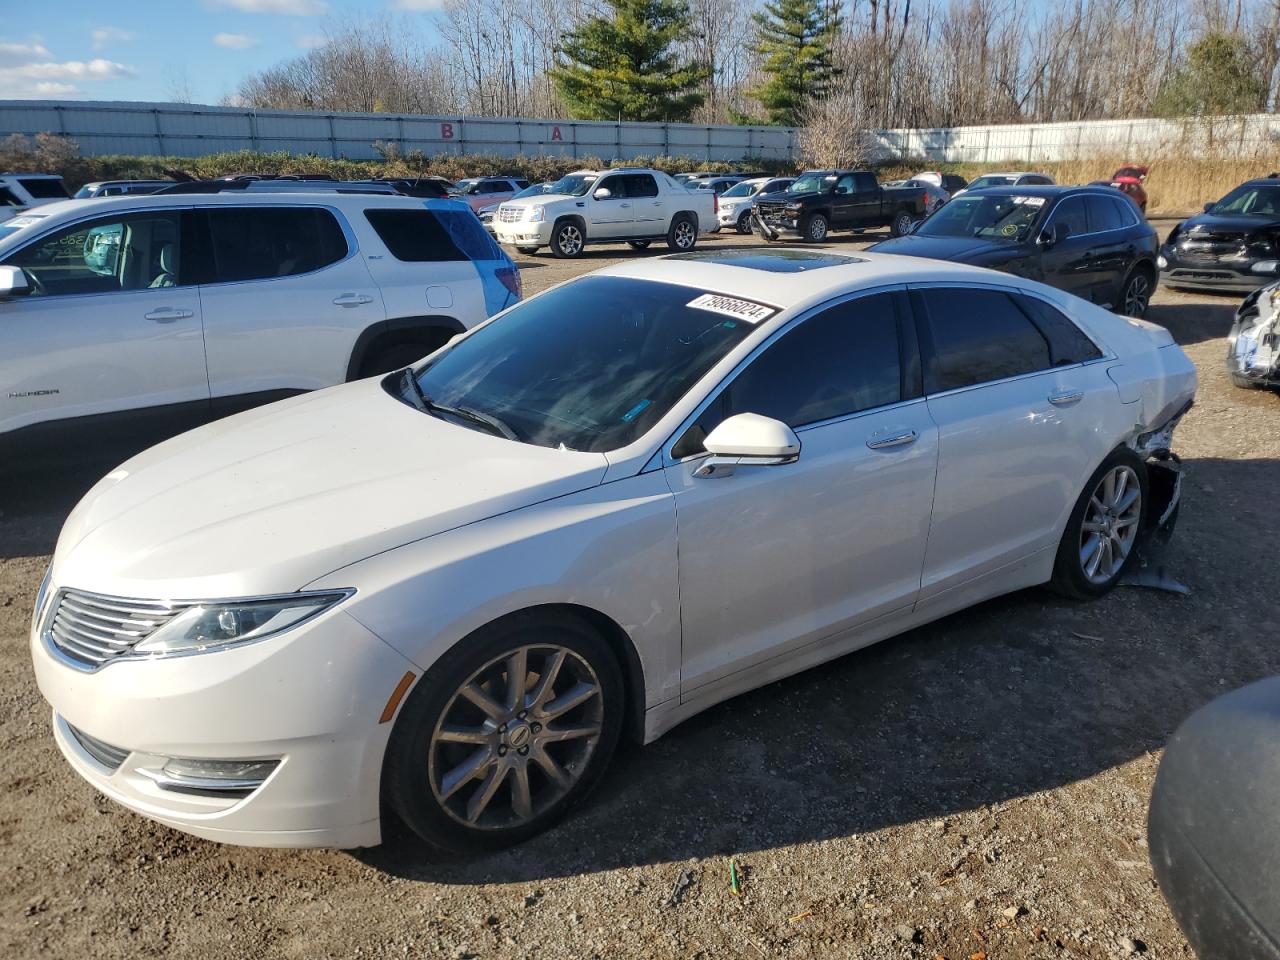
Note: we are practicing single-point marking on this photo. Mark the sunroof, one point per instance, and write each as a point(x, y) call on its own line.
point(772, 261)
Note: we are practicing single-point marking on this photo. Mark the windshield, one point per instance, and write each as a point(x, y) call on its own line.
point(1261, 201)
point(992, 181)
point(537, 190)
point(9, 228)
point(812, 183)
point(590, 365)
point(573, 185)
point(463, 187)
point(992, 217)
point(744, 189)
point(85, 192)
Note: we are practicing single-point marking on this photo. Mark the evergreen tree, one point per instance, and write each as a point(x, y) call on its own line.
point(624, 65)
point(794, 37)
point(1219, 76)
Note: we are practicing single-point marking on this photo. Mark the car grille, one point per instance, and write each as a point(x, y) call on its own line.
point(770, 209)
point(510, 214)
point(91, 629)
point(1211, 247)
point(110, 757)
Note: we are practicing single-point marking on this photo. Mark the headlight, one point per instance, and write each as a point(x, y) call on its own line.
point(537, 213)
point(792, 211)
point(217, 624)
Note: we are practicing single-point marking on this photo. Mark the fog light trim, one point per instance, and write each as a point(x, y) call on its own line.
point(217, 778)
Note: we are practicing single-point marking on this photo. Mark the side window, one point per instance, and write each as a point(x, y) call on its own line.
point(1103, 214)
point(841, 361)
point(1127, 210)
point(1035, 181)
point(616, 186)
point(864, 182)
point(641, 185)
point(978, 336)
point(498, 186)
point(845, 185)
point(1071, 212)
point(107, 255)
point(426, 236)
point(1067, 342)
point(256, 243)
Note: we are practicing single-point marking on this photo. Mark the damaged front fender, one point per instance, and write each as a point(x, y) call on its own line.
point(1253, 346)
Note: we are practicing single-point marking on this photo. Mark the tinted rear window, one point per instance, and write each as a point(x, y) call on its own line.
point(1067, 342)
point(255, 243)
point(432, 236)
point(978, 336)
point(44, 189)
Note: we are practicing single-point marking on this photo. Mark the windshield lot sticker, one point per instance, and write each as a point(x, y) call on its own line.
point(733, 307)
point(1029, 201)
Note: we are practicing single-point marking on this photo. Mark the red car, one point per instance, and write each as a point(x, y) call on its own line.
point(1129, 179)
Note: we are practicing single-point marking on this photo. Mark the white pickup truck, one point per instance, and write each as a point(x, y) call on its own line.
point(636, 206)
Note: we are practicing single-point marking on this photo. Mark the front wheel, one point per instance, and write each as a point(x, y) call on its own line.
point(901, 224)
point(567, 240)
point(1103, 529)
point(744, 222)
point(683, 234)
point(505, 733)
point(1136, 295)
point(527, 251)
point(815, 228)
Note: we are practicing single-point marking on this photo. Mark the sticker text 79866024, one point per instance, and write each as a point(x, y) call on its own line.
point(746, 310)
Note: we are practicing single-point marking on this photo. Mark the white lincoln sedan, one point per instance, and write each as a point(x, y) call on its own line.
point(452, 589)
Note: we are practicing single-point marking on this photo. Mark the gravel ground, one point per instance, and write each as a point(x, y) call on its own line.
point(975, 787)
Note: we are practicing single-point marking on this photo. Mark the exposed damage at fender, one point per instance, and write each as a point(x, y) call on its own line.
point(1253, 347)
point(1164, 475)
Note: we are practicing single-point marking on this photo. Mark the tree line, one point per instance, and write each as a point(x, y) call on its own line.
point(863, 63)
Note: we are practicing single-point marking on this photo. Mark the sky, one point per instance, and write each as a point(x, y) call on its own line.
point(194, 50)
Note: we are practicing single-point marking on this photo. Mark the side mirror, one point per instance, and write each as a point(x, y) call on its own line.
point(13, 283)
point(1049, 238)
point(1208, 207)
point(748, 440)
point(604, 193)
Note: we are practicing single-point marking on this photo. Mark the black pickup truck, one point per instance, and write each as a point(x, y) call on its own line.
point(823, 200)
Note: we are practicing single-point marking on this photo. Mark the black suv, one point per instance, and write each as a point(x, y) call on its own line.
point(1090, 241)
point(1234, 245)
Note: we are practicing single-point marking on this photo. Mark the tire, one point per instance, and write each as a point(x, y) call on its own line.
point(1071, 576)
point(683, 234)
point(744, 222)
point(397, 356)
point(1135, 295)
point(1244, 383)
point(814, 228)
point(901, 224)
point(417, 782)
point(567, 240)
point(527, 251)
point(638, 244)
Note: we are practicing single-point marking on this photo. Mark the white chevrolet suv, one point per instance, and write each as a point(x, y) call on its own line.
point(637, 206)
point(142, 315)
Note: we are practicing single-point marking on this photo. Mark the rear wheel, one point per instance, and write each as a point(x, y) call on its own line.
point(638, 244)
point(505, 733)
point(1103, 529)
point(901, 224)
point(567, 240)
point(683, 234)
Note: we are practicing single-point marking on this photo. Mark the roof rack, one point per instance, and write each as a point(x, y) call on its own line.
point(281, 185)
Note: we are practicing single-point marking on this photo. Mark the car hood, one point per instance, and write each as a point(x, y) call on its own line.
point(1230, 223)
point(269, 500)
point(542, 198)
point(960, 249)
point(783, 195)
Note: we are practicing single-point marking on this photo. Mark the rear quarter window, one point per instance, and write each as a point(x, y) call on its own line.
point(44, 189)
point(432, 236)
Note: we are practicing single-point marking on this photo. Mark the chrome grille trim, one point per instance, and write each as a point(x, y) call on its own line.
point(88, 630)
point(510, 214)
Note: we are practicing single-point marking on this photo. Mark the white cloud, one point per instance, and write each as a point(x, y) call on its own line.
point(417, 5)
point(292, 8)
point(235, 41)
point(311, 41)
point(105, 36)
point(51, 79)
point(15, 54)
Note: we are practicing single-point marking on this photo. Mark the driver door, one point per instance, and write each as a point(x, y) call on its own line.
point(1068, 264)
point(775, 559)
point(611, 216)
point(109, 325)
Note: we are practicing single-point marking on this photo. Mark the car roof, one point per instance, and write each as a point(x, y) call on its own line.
point(239, 198)
point(747, 273)
point(1012, 173)
point(1047, 190)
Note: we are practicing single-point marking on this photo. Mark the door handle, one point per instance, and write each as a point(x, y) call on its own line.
point(1066, 398)
point(624, 205)
point(168, 314)
point(352, 300)
point(891, 438)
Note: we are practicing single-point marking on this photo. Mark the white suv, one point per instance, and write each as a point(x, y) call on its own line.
point(18, 191)
point(148, 314)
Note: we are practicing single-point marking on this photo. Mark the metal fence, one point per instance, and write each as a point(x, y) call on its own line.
point(1026, 143)
point(186, 130)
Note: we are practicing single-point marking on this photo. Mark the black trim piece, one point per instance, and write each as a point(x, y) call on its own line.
point(397, 330)
point(909, 358)
point(924, 341)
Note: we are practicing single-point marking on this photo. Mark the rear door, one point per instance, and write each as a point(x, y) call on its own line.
point(284, 297)
point(1016, 398)
point(1113, 248)
point(845, 203)
point(112, 324)
point(612, 216)
point(868, 211)
point(1069, 264)
point(649, 212)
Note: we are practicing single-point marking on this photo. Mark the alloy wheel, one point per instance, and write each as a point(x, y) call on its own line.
point(570, 240)
point(902, 225)
point(817, 229)
point(685, 235)
point(1136, 294)
point(516, 737)
point(1110, 525)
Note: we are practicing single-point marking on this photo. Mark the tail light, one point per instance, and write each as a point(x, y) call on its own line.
point(715, 198)
point(509, 277)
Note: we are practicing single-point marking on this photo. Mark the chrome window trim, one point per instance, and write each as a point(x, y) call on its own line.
point(713, 393)
point(1093, 233)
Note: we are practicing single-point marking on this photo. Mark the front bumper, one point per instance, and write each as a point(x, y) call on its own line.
point(1229, 276)
point(772, 228)
point(1253, 345)
point(311, 698)
point(523, 234)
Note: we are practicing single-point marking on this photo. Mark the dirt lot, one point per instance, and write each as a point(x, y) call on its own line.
point(978, 786)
